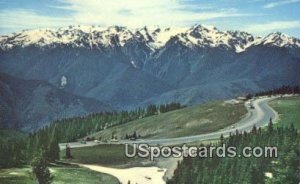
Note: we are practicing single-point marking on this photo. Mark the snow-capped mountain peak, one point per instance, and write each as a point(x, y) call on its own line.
point(280, 40)
point(94, 37)
point(157, 37)
point(207, 36)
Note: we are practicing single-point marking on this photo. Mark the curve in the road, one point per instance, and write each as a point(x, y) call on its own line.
point(259, 116)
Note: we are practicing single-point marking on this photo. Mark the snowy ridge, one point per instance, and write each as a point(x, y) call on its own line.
point(155, 38)
point(205, 36)
point(158, 37)
point(280, 40)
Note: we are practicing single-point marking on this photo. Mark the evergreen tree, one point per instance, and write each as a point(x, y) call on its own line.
point(53, 150)
point(270, 126)
point(284, 169)
point(221, 139)
point(256, 176)
point(40, 169)
point(134, 135)
point(254, 129)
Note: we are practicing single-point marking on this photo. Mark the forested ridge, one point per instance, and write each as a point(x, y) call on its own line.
point(282, 90)
point(19, 150)
point(284, 169)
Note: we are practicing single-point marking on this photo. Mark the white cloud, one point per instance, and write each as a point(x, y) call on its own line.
point(280, 3)
point(131, 13)
point(135, 13)
point(272, 26)
point(21, 19)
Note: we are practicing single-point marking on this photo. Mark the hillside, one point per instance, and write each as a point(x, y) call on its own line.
point(192, 120)
point(31, 104)
point(239, 169)
point(288, 110)
point(67, 174)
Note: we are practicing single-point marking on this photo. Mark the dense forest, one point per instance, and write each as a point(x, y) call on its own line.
point(17, 151)
point(282, 90)
point(284, 169)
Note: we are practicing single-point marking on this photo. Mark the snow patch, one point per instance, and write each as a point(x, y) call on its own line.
point(133, 64)
point(94, 37)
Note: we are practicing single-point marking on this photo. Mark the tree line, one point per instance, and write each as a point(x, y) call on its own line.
point(280, 91)
point(157, 109)
point(284, 169)
point(17, 151)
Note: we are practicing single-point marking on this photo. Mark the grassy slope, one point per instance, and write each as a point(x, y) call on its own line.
point(62, 175)
point(108, 155)
point(288, 109)
point(192, 120)
point(81, 175)
point(16, 176)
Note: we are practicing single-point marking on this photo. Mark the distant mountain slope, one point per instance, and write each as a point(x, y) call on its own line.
point(29, 105)
point(131, 67)
point(91, 73)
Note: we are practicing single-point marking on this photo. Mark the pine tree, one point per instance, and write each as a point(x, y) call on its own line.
point(40, 169)
point(134, 135)
point(221, 139)
point(270, 126)
point(53, 153)
point(254, 129)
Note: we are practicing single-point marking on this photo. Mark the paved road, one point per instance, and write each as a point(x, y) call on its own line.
point(259, 116)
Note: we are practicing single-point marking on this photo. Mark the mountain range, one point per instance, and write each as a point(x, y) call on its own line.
point(122, 68)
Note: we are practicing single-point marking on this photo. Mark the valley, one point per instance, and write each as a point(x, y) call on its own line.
point(72, 97)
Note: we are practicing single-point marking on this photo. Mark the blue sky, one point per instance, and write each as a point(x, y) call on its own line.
point(259, 17)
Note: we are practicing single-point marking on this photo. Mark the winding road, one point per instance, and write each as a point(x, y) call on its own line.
point(259, 116)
